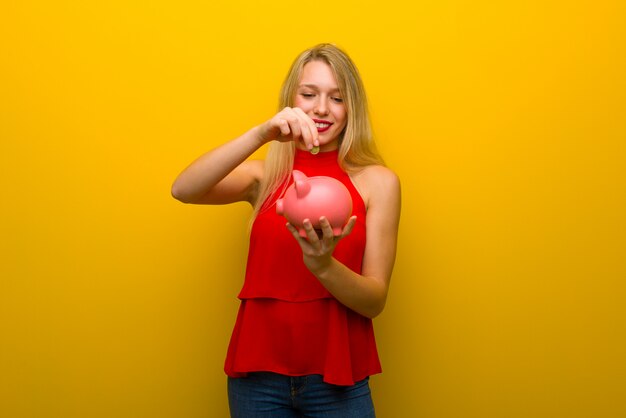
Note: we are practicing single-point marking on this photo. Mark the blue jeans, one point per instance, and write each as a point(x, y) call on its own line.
point(271, 395)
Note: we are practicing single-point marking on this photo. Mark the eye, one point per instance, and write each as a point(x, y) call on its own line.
point(307, 95)
point(337, 99)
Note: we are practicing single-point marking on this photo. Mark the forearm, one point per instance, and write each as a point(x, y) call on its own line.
point(209, 169)
point(365, 295)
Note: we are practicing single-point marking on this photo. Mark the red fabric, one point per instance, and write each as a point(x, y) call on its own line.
point(288, 322)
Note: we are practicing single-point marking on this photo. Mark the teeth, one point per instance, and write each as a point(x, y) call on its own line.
point(322, 125)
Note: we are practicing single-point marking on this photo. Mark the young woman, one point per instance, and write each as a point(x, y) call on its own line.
point(303, 343)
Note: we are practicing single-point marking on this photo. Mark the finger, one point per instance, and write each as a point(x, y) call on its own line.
point(294, 124)
point(283, 125)
point(310, 127)
point(291, 228)
point(307, 136)
point(305, 129)
point(349, 226)
point(311, 234)
point(328, 235)
point(294, 231)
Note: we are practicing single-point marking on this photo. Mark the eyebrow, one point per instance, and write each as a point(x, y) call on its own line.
point(315, 87)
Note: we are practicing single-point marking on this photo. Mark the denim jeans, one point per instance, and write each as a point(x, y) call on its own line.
point(271, 395)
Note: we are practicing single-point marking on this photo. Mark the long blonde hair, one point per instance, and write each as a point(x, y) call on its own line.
point(356, 144)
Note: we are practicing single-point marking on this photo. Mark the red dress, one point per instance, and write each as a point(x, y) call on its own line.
point(288, 323)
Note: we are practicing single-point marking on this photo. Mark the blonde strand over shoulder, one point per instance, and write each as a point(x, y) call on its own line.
point(278, 166)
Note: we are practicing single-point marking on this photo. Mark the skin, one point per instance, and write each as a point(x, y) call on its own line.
point(224, 175)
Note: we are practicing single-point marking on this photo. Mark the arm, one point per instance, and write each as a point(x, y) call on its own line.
point(364, 293)
point(223, 175)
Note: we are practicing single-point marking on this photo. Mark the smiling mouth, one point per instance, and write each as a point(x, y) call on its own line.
point(322, 126)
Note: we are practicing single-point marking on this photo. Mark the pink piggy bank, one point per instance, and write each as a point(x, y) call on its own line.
point(312, 197)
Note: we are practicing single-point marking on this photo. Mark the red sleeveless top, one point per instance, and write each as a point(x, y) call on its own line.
point(288, 323)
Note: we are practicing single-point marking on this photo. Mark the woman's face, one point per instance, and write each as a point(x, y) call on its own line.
point(318, 96)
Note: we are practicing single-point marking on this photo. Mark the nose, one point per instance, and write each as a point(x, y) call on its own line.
point(321, 107)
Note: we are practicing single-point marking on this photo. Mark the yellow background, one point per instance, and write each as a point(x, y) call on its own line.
point(506, 122)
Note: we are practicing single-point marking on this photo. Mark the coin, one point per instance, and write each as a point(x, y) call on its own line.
point(315, 150)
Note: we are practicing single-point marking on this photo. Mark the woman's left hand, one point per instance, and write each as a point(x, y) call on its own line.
point(317, 251)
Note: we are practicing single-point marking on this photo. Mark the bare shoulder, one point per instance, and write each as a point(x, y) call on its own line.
point(377, 183)
point(379, 175)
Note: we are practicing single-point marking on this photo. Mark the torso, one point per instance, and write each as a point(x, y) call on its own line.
point(288, 322)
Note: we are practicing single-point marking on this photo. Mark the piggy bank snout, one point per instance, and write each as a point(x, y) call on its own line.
point(280, 207)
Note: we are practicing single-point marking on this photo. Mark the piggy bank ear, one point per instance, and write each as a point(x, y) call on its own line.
point(301, 183)
point(298, 175)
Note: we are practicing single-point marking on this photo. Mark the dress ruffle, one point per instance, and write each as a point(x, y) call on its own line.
point(296, 339)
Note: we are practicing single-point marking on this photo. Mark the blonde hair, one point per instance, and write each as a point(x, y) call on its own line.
point(356, 144)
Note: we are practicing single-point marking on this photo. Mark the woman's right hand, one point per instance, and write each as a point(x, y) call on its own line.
point(290, 124)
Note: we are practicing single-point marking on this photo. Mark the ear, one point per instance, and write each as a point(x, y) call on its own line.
point(301, 183)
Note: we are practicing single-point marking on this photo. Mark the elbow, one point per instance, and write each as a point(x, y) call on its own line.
point(374, 311)
point(376, 307)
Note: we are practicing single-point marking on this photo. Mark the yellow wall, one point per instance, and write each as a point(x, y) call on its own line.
point(505, 121)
